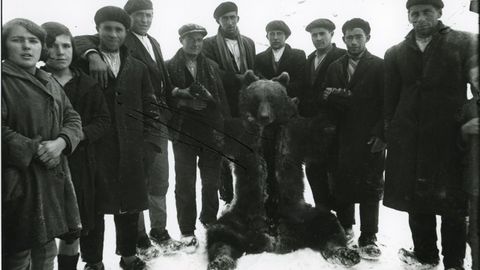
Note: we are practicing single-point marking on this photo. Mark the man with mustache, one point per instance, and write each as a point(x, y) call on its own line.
point(426, 78)
point(145, 48)
point(235, 54)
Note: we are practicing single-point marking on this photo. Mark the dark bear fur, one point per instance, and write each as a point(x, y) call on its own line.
point(244, 227)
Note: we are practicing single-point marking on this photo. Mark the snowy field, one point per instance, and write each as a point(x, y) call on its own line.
point(394, 234)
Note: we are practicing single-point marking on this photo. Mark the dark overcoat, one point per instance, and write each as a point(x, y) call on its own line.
point(87, 99)
point(230, 82)
point(358, 174)
point(424, 95)
point(314, 79)
point(292, 62)
point(124, 151)
point(38, 204)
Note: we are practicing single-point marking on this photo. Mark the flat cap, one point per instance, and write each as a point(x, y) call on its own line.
point(435, 3)
point(322, 23)
point(223, 8)
point(278, 25)
point(191, 28)
point(135, 5)
point(111, 13)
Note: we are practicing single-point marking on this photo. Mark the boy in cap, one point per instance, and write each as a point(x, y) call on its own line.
point(353, 95)
point(321, 32)
point(234, 54)
point(426, 78)
point(128, 146)
point(279, 57)
point(145, 48)
point(195, 130)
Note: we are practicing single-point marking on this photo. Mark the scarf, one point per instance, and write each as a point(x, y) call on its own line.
point(225, 58)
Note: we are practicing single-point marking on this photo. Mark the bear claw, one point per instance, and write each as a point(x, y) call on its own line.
point(222, 263)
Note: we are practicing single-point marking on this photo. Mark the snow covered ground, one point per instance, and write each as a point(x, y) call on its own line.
point(394, 234)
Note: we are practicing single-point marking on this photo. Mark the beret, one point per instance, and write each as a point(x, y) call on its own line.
point(323, 23)
point(191, 28)
point(223, 8)
point(135, 5)
point(435, 3)
point(279, 26)
point(111, 13)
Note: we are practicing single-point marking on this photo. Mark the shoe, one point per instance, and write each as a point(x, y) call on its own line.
point(137, 264)
point(368, 248)
point(409, 257)
point(188, 243)
point(158, 236)
point(145, 249)
point(94, 266)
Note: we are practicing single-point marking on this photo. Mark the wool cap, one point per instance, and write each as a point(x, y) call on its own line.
point(191, 28)
point(278, 26)
point(135, 5)
point(111, 13)
point(322, 23)
point(435, 3)
point(223, 8)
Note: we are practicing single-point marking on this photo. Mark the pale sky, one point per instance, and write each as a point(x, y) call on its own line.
point(388, 18)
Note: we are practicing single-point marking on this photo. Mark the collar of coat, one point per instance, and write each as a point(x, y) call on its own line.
point(440, 29)
point(314, 53)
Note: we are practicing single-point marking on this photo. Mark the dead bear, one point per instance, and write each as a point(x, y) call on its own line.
point(243, 228)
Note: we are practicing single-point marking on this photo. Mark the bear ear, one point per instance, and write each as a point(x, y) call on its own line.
point(283, 79)
point(249, 77)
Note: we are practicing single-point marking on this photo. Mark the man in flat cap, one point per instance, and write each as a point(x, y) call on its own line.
point(278, 58)
point(353, 95)
point(127, 147)
point(200, 96)
point(426, 78)
point(326, 52)
point(234, 54)
point(145, 48)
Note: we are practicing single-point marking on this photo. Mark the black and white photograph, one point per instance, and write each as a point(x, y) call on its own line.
point(240, 135)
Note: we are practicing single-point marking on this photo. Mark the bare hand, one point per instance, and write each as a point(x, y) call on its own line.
point(377, 145)
point(182, 93)
point(470, 128)
point(327, 92)
point(98, 69)
point(49, 151)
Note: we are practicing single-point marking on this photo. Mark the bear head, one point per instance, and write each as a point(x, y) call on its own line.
point(264, 102)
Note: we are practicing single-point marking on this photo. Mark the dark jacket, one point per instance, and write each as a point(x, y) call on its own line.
point(87, 99)
point(292, 61)
point(358, 117)
point(38, 204)
point(193, 126)
point(158, 71)
point(314, 79)
point(126, 148)
point(424, 94)
point(230, 82)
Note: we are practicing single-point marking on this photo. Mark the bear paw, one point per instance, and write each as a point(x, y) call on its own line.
point(343, 256)
point(222, 263)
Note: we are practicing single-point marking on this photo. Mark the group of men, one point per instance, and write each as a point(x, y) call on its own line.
point(410, 100)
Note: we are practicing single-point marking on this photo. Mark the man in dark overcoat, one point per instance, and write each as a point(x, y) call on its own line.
point(235, 54)
point(321, 32)
point(354, 95)
point(145, 48)
point(426, 78)
point(278, 58)
point(128, 145)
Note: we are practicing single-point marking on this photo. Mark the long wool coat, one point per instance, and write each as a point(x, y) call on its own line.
point(314, 79)
point(87, 99)
point(38, 204)
point(358, 175)
point(292, 62)
point(424, 95)
point(126, 147)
